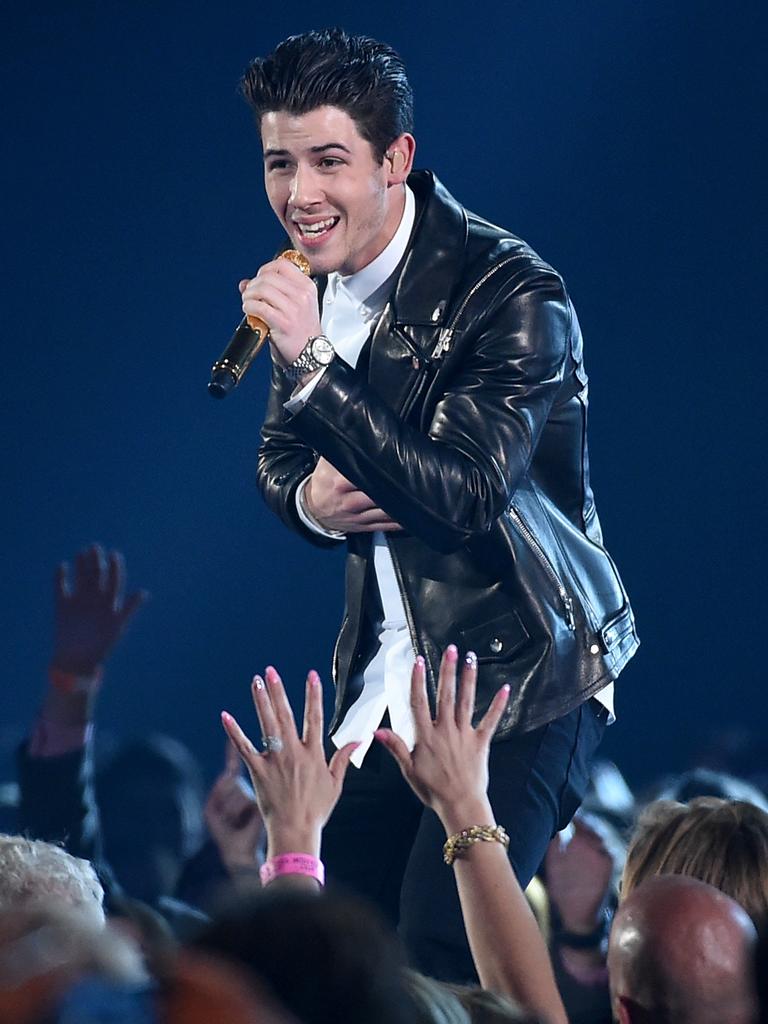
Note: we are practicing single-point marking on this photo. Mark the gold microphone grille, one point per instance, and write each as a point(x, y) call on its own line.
point(299, 260)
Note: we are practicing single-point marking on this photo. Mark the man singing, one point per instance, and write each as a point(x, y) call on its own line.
point(428, 408)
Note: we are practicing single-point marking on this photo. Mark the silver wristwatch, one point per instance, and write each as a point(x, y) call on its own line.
point(316, 354)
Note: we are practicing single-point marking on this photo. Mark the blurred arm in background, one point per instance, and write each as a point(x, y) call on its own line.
point(581, 868)
point(58, 801)
point(235, 849)
point(91, 612)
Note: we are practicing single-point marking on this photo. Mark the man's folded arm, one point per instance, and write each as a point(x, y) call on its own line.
point(451, 482)
point(285, 462)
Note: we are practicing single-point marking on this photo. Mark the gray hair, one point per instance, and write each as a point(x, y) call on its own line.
point(34, 872)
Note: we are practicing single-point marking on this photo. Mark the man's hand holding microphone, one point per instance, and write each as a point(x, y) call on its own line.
point(284, 297)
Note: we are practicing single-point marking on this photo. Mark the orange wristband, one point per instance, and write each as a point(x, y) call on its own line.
point(70, 683)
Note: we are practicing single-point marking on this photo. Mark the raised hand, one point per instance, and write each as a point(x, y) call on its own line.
point(233, 818)
point(295, 788)
point(448, 767)
point(338, 505)
point(448, 771)
point(91, 610)
point(579, 874)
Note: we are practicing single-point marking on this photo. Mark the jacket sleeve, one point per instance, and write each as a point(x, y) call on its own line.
point(56, 800)
point(284, 461)
point(451, 481)
point(57, 803)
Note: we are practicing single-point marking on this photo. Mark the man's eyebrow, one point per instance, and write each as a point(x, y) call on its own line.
point(312, 149)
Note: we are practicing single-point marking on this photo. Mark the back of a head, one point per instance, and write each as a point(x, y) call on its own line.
point(150, 796)
point(721, 842)
point(326, 957)
point(197, 988)
point(36, 873)
point(681, 951)
point(46, 950)
point(698, 782)
point(609, 797)
point(434, 1001)
point(152, 787)
point(439, 1002)
point(486, 1007)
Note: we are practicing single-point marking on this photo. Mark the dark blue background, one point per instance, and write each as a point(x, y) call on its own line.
point(623, 140)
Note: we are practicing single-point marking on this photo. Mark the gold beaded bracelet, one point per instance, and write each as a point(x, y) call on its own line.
point(456, 844)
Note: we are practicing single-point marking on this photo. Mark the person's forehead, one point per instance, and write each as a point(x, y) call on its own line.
point(322, 126)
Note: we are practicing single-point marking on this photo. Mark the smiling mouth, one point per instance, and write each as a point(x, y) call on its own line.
point(314, 232)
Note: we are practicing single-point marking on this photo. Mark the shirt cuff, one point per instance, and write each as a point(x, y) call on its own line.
point(299, 398)
point(309, 520)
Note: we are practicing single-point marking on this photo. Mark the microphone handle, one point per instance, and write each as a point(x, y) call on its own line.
point(244, 345)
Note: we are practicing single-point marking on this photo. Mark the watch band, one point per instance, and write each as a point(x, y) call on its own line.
point(305, 362)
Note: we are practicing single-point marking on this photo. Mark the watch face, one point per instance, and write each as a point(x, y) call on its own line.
point(322, 350)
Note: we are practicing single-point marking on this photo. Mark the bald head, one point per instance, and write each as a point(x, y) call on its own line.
point(681, 951)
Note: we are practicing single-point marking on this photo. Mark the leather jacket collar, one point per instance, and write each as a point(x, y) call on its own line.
point(435, 261)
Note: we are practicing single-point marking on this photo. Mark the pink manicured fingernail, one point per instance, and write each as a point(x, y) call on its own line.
point(226, 717)
point(271, 674)
point(258, 682)
point(420, 660)
point(314, 678)
point(506, 687)
point(452, 652)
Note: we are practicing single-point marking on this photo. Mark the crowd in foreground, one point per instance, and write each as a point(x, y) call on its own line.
point(131, 896)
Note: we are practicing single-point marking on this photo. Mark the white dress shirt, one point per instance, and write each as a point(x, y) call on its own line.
point(351, 307)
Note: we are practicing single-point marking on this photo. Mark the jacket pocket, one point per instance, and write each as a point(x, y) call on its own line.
point(617, 629)
point(496, 639)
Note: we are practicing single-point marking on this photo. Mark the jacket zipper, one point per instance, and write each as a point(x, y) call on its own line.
point(443, 344)
point(444, 341)
point(546, 565)
point(416, 390)
point(441, 348)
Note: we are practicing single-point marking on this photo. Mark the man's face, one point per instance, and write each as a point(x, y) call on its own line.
point(327, 188)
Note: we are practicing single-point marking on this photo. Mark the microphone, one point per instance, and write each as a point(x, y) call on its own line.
point(245, 343)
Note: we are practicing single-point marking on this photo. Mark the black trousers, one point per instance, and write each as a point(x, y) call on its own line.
point(383, 844)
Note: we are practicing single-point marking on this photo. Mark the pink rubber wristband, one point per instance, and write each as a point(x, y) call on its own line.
point(292, 864)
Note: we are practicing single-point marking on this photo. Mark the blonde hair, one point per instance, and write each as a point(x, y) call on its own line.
point(35, 872)
point(721, 842)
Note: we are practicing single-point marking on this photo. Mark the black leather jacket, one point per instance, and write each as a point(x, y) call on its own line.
point(466, 423)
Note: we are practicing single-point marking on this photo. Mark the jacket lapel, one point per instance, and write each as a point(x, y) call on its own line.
point(409, 327)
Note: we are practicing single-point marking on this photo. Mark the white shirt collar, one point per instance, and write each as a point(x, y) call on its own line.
point(362, 284)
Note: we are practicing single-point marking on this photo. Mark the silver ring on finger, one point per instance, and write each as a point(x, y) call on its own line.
point(271, 744)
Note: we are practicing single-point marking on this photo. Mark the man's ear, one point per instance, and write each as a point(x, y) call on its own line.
point(398, 158)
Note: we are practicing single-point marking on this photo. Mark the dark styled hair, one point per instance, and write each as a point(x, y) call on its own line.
point(359, 75)
point(327, 957)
